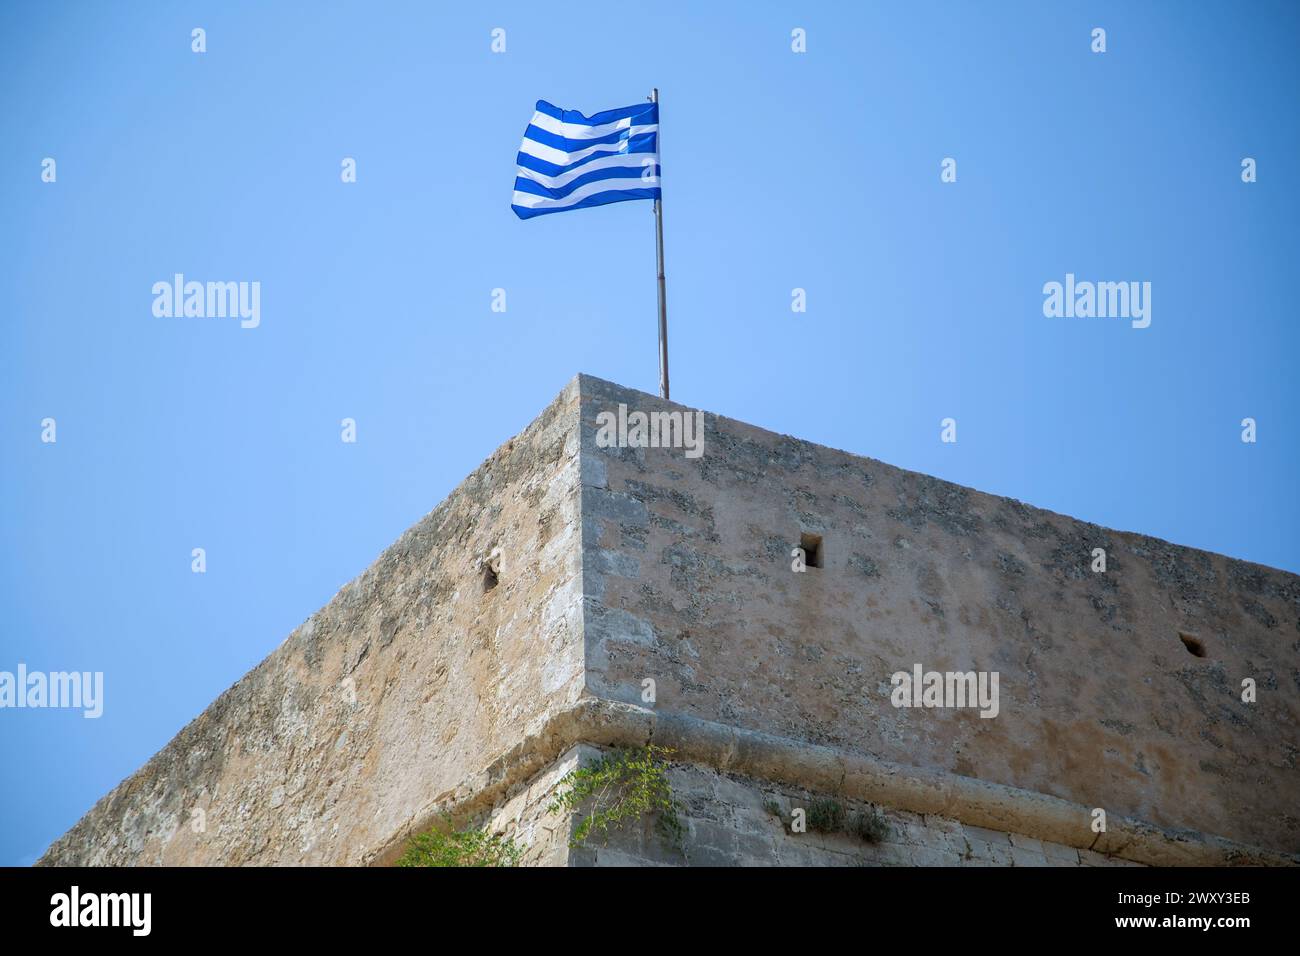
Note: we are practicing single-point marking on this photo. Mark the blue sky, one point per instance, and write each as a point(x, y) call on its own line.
point(817, 171)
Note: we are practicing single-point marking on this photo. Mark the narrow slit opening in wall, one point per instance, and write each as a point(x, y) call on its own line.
point(812, 549)
point(1194, 644)
point(489, 578)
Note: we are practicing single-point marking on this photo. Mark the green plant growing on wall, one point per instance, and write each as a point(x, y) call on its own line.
point(471, 847)
point(826, 815)
point(621, 786)
point(870, 825)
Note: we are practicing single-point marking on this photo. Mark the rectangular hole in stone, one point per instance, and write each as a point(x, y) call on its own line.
point(812, 549)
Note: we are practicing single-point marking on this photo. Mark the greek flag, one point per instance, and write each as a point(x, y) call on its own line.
point(569, 161)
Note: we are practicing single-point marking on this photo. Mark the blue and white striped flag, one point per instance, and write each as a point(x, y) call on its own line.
point(569, 161)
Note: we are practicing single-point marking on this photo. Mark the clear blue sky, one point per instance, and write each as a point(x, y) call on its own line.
point(818, 171)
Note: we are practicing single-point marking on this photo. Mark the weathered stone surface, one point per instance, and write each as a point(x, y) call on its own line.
point(729, 821)
point(1101, 702)
point(416, 691)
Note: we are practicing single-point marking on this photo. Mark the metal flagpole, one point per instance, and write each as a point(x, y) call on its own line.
point(659, 257)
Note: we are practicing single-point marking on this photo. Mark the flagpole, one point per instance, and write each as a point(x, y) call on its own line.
point(659, 258)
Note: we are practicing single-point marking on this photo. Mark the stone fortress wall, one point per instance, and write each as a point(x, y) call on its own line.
point(433, 685)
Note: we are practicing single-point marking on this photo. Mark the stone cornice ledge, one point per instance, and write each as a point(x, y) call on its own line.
point(594, 720)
